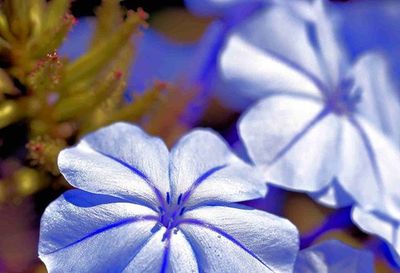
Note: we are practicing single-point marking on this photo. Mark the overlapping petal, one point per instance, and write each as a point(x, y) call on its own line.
point(288, 55)
point(379, 224)
point(265, 73)
point(287, 136)
point(372, 176)
point(334, 257)
point(333, 195)
point(202, 164)
point(380, 101)
point(293, 140)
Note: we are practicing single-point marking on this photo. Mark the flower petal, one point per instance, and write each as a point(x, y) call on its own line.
point(368, 167)
point(285, 136)
point(241, 238)
point(283, 33)
point(380, 104)
point(279, 52)
point(150, 256)
point(331, 56)
point(264, 31)
point(380, 225)
point(264, 74)
point(79, 225)
point(334, 257)
point(333, 196)
point(182, 257)
point(119, 160)
point(202, 164)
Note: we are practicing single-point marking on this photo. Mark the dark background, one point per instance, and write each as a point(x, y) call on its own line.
point(85, 7)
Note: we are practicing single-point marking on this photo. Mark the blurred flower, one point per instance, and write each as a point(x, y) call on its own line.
point(362, 25)
point(185, 67)
point(79, 38)
point(221, 8)
point(140, 208)
point(323, 126)
point(334, 257)
point(370, 25)
point(232, 14)
point(313, 96)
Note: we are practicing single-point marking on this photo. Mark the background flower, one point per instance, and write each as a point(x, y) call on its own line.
point(333, 257)
point(316, 108)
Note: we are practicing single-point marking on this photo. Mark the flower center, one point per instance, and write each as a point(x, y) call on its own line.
point(345, 99)
point(170, 215)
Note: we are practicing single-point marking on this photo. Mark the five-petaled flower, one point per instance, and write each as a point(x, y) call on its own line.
point(323, 125)
point(141, 208)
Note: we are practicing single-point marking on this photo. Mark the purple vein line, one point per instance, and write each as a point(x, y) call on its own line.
point(166, 253)
point(200, 180)
point(106, 228)
point(140, 174)
point(370, 150)
point(226, 235)
point(321, 115)
point(321, 86)
point(137, 251)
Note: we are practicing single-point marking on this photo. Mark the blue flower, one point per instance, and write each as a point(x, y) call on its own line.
point(316, 108)
point(323, 125)
point(140, 208)
point(334, 257)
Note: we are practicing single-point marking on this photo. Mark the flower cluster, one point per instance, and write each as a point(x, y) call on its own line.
point(140, 208)
point(230, 136)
